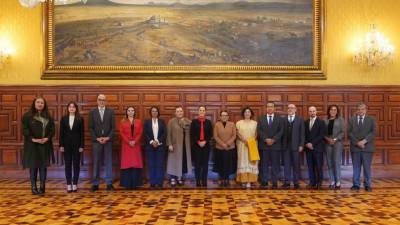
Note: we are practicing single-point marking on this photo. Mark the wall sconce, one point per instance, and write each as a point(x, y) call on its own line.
point(375, 50)
point(5, 52)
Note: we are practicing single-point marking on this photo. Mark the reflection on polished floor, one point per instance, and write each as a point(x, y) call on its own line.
point(199, 206)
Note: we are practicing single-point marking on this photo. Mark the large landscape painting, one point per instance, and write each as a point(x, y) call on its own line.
point(197, 33)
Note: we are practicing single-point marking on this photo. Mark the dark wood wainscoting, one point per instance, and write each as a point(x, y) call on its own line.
point(383, 102)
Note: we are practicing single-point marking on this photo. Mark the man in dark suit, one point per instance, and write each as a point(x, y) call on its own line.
point(155, 133)
point(293, 143)
point(361, 131)
point(270, 131)
point(101, 127)
point(315, 130)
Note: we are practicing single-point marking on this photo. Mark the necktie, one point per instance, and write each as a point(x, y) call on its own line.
point(101, 114)
point(360, 120)
point(269, 120)
point(311, 123)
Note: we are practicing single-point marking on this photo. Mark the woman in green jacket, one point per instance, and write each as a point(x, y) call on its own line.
point(38, 130)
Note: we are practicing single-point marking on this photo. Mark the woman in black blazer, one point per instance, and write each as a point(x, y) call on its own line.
point(71, 143)
point(201, 132)
point(155, 134)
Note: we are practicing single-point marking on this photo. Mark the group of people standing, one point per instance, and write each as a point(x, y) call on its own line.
point(254, 150)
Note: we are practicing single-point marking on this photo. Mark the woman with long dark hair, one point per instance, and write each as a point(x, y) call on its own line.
point(72, 143)
point(131, 130)
point(38, 130)
point(334, 145)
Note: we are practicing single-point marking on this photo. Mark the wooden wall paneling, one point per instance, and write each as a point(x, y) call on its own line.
point(382, 101)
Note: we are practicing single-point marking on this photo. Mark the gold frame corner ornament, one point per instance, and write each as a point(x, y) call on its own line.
point(185, 72)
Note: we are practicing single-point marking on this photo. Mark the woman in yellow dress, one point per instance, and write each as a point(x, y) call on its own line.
point(247, 171)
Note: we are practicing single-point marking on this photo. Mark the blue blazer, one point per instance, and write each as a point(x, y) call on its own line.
point(316, 134)
point(148, 132)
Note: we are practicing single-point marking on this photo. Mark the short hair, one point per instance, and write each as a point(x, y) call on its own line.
point(202, 106)
point(273, 104)
point(222, 111)
point(154, 107)
point(179, 106)
point(247, 108)
point(329, 109)
point(101, 95)
point(361, 104)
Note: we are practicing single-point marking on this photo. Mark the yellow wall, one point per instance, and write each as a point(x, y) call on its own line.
point(347, 21)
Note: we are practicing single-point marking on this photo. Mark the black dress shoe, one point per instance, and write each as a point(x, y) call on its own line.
point(337, 187)
point(264, 185)
point(331, 187)
point(367, 188)
point(318, 186)
point(274, 186)
point(296, 186)
point(94, 188)
point(204, 183)
point(110, 187)
point(310, 186)
point(34, 190)
point(355, 188)
point(198, 183)
point(226, 184)
point(286, 186)
point(42, 188)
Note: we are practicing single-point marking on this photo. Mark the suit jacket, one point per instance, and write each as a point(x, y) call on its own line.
point(225, 134)
point(316, 135)
point(292, 141)
point(73, 137)
point(195, 131)
point(338, 129)
point(148, 132)
point(366, 131)
point(100, 128)
point(273, 131)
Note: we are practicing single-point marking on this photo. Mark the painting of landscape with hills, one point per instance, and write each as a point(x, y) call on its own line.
point(184, 32)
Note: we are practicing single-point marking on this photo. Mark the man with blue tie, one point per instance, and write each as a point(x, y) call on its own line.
point(101, 127)
point(270, 131)
point(361, 131)
point(315, 130)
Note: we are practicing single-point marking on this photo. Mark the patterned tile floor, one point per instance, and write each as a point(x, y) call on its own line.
point(199, 206)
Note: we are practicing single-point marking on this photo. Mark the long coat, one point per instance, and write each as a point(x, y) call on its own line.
point(175, 138)
point(37, 155)
point(131, 157)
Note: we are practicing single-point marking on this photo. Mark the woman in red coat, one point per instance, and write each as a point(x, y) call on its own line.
point(131, 130)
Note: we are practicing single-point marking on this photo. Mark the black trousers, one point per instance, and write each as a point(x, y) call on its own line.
point(72, 159)
point(200, 158)
point(42, 175)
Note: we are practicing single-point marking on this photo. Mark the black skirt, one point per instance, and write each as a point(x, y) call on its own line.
point(131, 178)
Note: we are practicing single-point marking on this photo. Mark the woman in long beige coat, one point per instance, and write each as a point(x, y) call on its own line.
point(179, 153)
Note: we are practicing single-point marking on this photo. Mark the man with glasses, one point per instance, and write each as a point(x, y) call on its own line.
point(293, 142)
point(101, 126)
point(361, 131)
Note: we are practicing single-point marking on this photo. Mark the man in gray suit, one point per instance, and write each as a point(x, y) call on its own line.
point(361, 131)
point(293, 142)
point(101, 126)
point(270, 131)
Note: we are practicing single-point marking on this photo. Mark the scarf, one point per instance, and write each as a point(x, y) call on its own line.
point(202, 119)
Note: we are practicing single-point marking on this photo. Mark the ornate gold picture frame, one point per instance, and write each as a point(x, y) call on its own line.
point(207, 39)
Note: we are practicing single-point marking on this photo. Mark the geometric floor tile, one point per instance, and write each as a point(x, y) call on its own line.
point(199, 206)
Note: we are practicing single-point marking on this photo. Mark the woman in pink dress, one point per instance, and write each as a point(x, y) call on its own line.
point(131, 130)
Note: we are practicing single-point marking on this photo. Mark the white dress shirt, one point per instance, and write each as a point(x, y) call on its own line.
point(71, 121)
point(154, 125)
